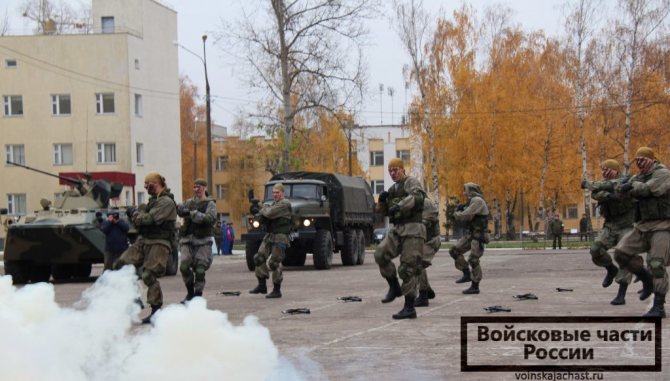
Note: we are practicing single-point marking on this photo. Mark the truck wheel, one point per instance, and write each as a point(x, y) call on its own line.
point(62, 271)
point(173, 263)
point(250, 249)
point(82, 270)
point(18, 270)
point(349, 251)
point(323, 250)
point(361, 247)
point(40, 273)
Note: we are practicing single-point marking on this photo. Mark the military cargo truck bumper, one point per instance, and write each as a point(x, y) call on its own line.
point(302, 234)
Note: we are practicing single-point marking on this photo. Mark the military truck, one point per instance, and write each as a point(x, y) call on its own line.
point(330, 213)
point(63, 239)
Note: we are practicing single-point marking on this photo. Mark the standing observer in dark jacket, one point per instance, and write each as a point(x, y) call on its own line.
point(116, 238)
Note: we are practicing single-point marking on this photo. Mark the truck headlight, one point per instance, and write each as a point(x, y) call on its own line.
point(307, 222)
point(255, 224)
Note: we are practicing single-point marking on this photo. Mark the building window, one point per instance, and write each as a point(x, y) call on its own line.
point(137, 64)
point(570, 212)
point(139, 150)
point(221, 163)
point(15, 153)
point(376, 158)
point(128, 200)
point(403, 155)
point(140, 198)
point(60, 104)
point(377, 186)
point(63, 154)
point(10, 63)
point(221, 191)
point(107, 24)
point(16, 204)
point(104, 103)
point(138, 104)
point(106, 153)
point(13, 105)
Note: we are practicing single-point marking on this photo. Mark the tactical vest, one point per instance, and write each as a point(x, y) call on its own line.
point(398, 193)
point(615, 209)
point(652, 208)
point(199, 230)
point(479, 223)
point(281, 225)
point(164, 231)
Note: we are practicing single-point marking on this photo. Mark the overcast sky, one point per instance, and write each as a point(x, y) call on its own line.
point(385, 55)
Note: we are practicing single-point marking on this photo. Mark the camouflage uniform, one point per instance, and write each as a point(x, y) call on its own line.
point(476, 215)
point(195, 243)
point(406, 237)
point(651, 232)
point(155, 223)
point(619, 212)
point(430, 247)
point(270, 255)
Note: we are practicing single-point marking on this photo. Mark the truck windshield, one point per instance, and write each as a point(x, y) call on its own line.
point(302, 191)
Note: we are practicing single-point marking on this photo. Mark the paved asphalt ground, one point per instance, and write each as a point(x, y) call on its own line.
point(360, 341)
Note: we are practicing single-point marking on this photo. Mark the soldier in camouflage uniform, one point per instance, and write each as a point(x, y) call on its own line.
point(475, 214)
point(155, 222)
point(276, 218)
point(651, 232)
point(618, 211)
point(195, 238)
point(430, 218)
point(403, 203)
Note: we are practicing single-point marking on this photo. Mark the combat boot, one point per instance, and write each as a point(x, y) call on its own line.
point(430, 293)
point(657, 309)
point(154, 309)
point(422, 299)
point(276, 292)
point(394, 290)
point(647, 283)
point(620, 295)
point(197, 293)
point(262, 287)
point(189, 294)
point(466, 276)
point(474, 288)
point(611, 273)
point(408, 311)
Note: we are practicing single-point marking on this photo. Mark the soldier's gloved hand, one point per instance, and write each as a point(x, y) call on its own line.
point(142, 208)
point(585, 184)
point(183, 210)
point(394, 209)
point(131, 211)
point(383, 196)
point(624, 188)
point(460, 207)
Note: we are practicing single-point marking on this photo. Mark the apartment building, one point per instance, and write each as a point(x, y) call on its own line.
point(104, 102)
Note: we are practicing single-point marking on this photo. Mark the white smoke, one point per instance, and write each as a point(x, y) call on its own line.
point(98, 339)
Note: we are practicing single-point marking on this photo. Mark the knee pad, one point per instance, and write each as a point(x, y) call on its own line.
point(258, 259)
point(185, 267)
point(473, 262)
point(200, 273)
point(148, 277)
point(273, 263)
point(657, 267)
point(597, 249)
point(405, 272)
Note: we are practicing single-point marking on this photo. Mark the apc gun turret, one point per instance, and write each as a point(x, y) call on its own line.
point(63, 239)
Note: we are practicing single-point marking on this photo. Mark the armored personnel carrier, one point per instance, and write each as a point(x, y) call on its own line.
point(330, 213)
point(63, 240)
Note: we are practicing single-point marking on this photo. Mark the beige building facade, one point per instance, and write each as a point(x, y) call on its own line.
point(105, 102)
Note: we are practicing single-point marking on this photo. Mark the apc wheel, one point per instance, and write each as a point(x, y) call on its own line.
point(361, 247)
point(82, 270)
point(40, 273)
point(323, 250)
point(18, 271)
point(349, 251)
point(62, 271)
point(250, 249)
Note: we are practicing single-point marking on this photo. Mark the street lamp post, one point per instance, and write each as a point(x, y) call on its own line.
point(208, 128)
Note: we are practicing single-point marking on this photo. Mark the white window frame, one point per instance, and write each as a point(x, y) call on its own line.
point(9, 103)
point(102, 99)
point(377, 186)
point(138, 105)
point(15, 153)
point(403, 154)
point(107, 24)
point(128, 198)
point(16, 204)
point(139, 153)
point(57, 103)
point(104, 152)
point(222, 163)
point(61, 151)
point(140, 198)
point(221, 191)
point(376, 158)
